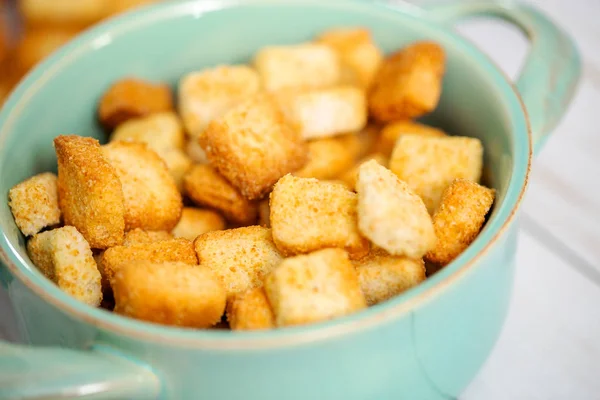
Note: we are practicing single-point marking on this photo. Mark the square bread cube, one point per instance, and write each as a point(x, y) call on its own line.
point(196, 221)
point(313, 288)
point(392, 131)
point(160, 131)
point(321, 113)
point(173, 250)
point(65, 257)
point(359, 55)
point(252, 146)
point(350, 176)
point(250, 311)
point(459, 219)
point(327, 159)
point(140, 236)
point(383, 276)
point(239, 257)
point(409, 82)
point(206, 187)
point(169, 293)
point(429, 164)
point(152, 200)
point(178, 164)
point(361, 143)
point(133, 98)
point(34, 203)
point(308, 215)
point(304, 65)
point(207, 94)
point(391, 215)
point(90, 194)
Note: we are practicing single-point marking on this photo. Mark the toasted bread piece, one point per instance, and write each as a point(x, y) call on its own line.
point(104, 283)
point(160, 131)
point(250, 311)
point(409, 82)
point(321, 113)
point(240, 257)
point(195, 152)
point(208, 94)
point(65, 257)
point(314, 287)
point(359, 55)
point(327, 159)
point(302, 66)
point(430, 164)
point(206, 187)
point(140, 236)
point(90, 195)
point(170, 250)
point(63, 12)
point(350, 176)
point(152, 200)
point(383, 276)
point(169, 293)
point(361, 143)
point(133, 98)
point(264, 213)
point(34, 203)
point(178, 164)
point(252, 146)
point(119, 6)
point(308, 215)
point(196, 221)
point(459, 219)
point(390, 214)
point(392, 131)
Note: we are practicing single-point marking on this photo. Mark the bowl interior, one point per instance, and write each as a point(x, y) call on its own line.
point(169, 40)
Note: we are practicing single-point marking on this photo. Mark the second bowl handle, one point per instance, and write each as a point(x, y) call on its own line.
point(552, 69)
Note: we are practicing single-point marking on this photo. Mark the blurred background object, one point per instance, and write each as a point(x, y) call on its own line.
point(30, 30)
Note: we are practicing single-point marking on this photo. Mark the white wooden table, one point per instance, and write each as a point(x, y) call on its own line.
point(550, 346)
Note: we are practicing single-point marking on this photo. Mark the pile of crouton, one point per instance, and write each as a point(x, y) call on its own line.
point(293, 190)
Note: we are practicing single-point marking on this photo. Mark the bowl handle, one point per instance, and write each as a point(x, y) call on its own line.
point(552, 68)
point(57, 373)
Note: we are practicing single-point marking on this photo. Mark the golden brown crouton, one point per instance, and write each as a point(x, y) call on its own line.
point(195, 152)
point(321, 113)
point(314, 287)
point(383, 276)
point(392, 131)
point(206, 187)
point(158, 131)
point(359, 55)
point(169, 293)
point(240, 257)
point(252, 146)
point(152, 200)
point(173, 250)
point(390, 214)
point(308, 215)
point(90, 195)
point(429, 164)
point(196, 221)
point(250, 311)
point(459, 219)
point(264, 213)
point(63, 12)
point(305, 65)
point(106, 289)
point(178, 164)
point(65, 257)
point(34, 203)
point(133, 98)
point(350, 176)
point(327, 159)
point(409, 82)
point(208, 94)
point(140, 236)
point(361, 143)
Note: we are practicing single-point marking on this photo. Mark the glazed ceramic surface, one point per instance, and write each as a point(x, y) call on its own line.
point(427, 343)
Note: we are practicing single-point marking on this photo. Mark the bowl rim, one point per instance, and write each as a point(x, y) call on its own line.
point(369, 318)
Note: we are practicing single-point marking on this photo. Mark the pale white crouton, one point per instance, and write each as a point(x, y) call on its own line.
point(390, 214)
point(325, 112)
point(64, 256)
point(207, 94)
point(250, 311)
point(305, 65)
point(34, 203)
point(314, 287)
point(196, 221)
point(195, 152)
point(159, 131)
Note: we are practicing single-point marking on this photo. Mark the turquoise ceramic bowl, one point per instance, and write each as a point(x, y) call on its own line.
point(427, 343)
